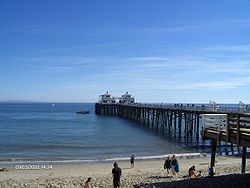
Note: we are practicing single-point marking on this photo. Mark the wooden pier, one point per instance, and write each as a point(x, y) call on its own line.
point(232, 126)
point(156, 117)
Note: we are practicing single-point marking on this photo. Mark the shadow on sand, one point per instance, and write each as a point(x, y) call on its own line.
point(225, 181)
point(160, 177)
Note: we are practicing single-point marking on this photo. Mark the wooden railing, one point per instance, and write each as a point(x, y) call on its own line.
point(216, 122)
point(190, 107)
point(232, 128)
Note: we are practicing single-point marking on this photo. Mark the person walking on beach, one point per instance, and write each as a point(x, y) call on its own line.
point(132, 161)
point(174, 165)
point(167, 164)
point(117, 172)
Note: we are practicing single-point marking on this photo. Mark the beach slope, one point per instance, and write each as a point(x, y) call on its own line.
point(146, 173)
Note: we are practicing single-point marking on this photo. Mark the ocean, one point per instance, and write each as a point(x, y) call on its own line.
point(47, 132)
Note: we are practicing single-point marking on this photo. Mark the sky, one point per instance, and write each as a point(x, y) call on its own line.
point(167, 51)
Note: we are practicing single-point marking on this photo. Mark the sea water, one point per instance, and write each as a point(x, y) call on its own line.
point(54, 132)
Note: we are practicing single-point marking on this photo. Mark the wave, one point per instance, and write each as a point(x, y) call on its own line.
point(65, 160)
point(180, 156)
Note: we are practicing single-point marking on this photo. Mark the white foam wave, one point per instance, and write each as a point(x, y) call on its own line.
point(180, 156)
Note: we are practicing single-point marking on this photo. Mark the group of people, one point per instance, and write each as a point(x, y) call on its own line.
point(193, 174)
point(171, 164)
point(116, 171)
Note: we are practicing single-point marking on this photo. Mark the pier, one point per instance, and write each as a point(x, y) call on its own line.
point(231, 128)
point(231, 125)
point(185, 120)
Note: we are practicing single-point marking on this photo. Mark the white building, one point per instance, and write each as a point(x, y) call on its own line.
point(127, 99)
point(106, 98)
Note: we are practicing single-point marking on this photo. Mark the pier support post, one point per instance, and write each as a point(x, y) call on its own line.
point(148, 117)
point(153, 118)
point(179, 122)
point(243, 163)
point(185, 125)
point(175, 120)
point(171, 119)
point(198, 125)
point(213, 144)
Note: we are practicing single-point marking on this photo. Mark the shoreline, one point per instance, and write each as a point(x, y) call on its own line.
point(7, 162)
point(119, 159)
point(145, 171)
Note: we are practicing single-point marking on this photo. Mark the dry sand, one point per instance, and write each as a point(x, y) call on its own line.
point(144, 172)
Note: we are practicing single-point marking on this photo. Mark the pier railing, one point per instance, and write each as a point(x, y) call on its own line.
point(193, 107)
point(233, 128)
point(216, 122)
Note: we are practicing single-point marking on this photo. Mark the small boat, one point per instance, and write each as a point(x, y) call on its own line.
point(83, 112)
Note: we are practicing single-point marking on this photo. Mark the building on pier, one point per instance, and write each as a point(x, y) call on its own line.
point(109, 99)
point(126, 99)
point(106, 98)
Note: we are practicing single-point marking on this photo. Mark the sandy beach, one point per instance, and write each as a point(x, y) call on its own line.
point(144, 172)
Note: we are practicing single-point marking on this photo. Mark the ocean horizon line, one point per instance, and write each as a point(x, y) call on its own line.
point(82, 102)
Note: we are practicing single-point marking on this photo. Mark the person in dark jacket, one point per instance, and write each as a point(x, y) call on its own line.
point(117, 172)
point(132, 161)
point(167, 164)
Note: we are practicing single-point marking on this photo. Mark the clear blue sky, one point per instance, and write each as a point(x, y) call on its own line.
point(158, 50)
